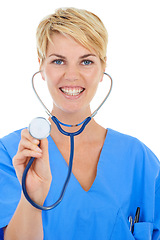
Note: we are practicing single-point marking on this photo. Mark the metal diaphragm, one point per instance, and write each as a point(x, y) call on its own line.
point(39, 128)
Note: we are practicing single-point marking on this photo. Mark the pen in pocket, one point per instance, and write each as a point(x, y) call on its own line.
point(136, 219)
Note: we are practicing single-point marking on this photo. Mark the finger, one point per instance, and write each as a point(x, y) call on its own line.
point(25, 134)
point(22, 157)
point(26, 144)
point(27, 140)
point(29, 153)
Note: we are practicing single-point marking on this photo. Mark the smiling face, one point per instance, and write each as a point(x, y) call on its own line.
point(72, 73)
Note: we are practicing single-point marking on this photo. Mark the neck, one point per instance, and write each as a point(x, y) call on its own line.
point(71, 118)
point(90, 132)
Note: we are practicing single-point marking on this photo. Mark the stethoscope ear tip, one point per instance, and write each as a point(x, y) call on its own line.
point(39, 128)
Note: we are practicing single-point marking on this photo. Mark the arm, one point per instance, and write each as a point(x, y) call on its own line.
point(26, 222)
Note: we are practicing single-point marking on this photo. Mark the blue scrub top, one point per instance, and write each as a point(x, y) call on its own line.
point(128, 176)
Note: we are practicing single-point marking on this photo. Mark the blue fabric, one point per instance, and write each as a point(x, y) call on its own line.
point(1, 233)
point(128, 176)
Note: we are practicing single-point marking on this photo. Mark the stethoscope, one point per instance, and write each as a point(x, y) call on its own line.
point(40, 128)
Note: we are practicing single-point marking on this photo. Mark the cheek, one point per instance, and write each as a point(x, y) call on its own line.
point(92, 88)
point(94, 83)
point(51, 80)
point(95, 79)
point(51, 77)
point(48, 74)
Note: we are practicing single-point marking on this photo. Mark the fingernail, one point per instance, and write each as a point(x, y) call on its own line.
point(35, 141)
point(38, 150)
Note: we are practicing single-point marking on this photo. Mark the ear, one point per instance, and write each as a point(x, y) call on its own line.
point(103, 68)
point(101, 79)
point(42, 75)
point(102, 75)
point(40, 64)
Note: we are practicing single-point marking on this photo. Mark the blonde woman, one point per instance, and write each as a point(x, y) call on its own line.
point(113, 175)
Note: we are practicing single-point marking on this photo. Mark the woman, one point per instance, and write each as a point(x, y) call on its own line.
point(112, 173)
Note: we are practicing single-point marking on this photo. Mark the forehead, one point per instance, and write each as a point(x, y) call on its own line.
point(63, 43)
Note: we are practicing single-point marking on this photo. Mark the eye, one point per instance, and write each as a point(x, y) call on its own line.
point(87, 62)
point(58, 61)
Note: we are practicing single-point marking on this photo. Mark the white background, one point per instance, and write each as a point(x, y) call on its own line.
point(133, 62)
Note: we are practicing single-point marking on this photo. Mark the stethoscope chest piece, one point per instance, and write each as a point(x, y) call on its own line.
point(39, 128)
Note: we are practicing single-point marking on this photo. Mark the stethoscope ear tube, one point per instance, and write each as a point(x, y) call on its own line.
point(97, 109)
point(92, 115)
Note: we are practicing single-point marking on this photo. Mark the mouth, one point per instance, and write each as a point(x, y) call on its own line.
point(72, 91)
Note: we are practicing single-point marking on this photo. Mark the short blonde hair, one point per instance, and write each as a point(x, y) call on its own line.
point(84, 26)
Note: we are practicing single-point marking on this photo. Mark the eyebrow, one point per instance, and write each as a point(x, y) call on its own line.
point(56, 55)
point(84, 56)
point(88, 55)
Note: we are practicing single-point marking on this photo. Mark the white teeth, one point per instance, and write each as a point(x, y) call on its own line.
point(72, 91)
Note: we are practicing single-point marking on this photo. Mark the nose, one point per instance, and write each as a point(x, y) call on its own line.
point(71, 73)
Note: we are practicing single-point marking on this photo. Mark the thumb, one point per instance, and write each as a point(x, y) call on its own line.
point(44, 148)
point(44, 167)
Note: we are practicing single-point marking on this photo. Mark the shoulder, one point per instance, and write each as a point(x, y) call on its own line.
point(124, 143)
point(10, 142)
point(129, 143)
point(137, 158)
point(14, 135)
point(122, 138)
point(133, 150)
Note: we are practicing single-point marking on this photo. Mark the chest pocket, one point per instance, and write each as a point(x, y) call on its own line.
point(142, 230)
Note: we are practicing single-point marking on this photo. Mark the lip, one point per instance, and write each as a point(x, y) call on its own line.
point(69, 89)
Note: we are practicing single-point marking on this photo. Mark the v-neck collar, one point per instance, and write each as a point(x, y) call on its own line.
point(64, 163)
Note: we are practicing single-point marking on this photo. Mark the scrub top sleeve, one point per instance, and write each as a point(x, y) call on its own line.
point(156, 232)
point(10, 188)
point(154, 165)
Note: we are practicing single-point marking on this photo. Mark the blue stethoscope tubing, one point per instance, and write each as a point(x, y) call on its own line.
point(71, 135)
